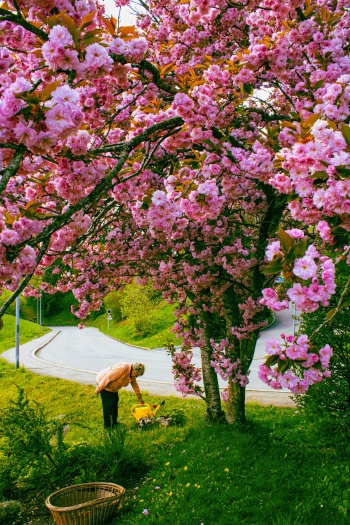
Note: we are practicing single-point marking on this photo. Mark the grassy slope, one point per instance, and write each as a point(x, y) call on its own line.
point(280, 469)
point(27, 332)
point(164, 321)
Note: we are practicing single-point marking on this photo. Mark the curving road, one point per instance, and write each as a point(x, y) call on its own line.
point(77, 355)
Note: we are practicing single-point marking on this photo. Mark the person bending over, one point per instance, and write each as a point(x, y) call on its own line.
point(110, 381)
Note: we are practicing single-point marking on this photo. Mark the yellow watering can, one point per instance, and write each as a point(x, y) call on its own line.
point(144, 411)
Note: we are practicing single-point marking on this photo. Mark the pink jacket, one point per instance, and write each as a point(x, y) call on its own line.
point(116, 377)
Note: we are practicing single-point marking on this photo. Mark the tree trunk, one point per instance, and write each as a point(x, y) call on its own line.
point(211, 387)
point(235, 408)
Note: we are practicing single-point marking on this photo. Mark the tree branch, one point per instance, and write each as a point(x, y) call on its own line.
point(12, 168)
point(336, 310)
point(151, 68)
point(18, 19)
point(105, 184)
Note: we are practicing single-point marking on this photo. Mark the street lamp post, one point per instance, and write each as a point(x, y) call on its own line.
point(17, 333)
point(40, 309)
point(109, 316)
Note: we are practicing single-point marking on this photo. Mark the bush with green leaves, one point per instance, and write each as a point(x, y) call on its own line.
point(9, 512)
point(331, 398)
point(113, 302)
point(30, 441)
point(137, 306)
point(34, 454)
point(178, 417)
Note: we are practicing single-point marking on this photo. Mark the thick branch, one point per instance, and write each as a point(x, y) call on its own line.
point(18, 19)
point(12, 168)
point(151, 68)
point(270, 118)
point(105, 183)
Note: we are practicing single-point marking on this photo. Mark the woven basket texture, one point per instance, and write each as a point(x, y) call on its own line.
point(85, 504)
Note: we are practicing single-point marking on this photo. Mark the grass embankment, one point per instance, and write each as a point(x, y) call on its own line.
point(27, 332)
point(281, 469)
point(162, 322)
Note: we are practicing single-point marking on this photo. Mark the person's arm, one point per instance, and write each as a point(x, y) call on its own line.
point(136, 388)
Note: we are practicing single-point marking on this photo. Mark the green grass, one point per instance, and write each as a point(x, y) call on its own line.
point(27, 332)
point(163, 319)
point(280, 469)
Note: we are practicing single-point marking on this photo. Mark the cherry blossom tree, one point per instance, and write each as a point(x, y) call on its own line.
point(176, 150)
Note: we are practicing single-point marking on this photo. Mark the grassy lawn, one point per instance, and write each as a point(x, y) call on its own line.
point(280, 469)
point(27, 332)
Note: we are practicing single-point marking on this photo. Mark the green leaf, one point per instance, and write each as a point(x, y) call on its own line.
point(46, 92)
point(310, 121)
point(271, 360)
point(330, 314)
point(319, 84)
point(275, 266)
point(300, 249)
point(283, 366)
point(343, 170)
point(285, 239)
point(248, 88)
point(319, 175)
point(345, 129)
point(346, 303)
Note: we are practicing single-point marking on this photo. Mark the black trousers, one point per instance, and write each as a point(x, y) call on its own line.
point(110, 402)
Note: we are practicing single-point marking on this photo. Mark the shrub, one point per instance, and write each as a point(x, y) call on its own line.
point(178, 417)
point(35, 456)
point(9, 511)
point(138, 305)
point(113, 301)
point(331, 398)
point(30, 441)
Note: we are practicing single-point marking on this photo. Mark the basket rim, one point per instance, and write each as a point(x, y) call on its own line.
point(86, 503)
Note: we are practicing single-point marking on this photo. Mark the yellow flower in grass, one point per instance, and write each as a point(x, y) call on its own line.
point(169, 494)
point(188, 484)
point(185, 468)
point(227, 470)
point(167, 464)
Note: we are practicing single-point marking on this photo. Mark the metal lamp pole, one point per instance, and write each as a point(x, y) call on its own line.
point(17, 332)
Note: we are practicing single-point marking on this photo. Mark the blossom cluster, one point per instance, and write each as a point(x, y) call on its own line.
point(186, 374)
point(224, 366)
point(294, 364)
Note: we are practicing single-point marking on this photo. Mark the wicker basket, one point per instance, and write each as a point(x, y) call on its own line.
point(84, 504)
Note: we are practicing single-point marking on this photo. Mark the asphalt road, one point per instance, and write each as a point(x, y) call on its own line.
point(78, 355)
